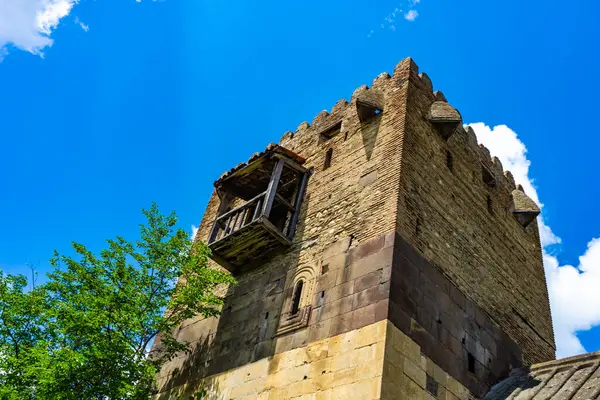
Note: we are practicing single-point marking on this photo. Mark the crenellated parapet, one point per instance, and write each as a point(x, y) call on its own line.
point(367, 102)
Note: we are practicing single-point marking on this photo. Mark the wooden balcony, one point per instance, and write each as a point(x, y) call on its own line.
point(253, 231)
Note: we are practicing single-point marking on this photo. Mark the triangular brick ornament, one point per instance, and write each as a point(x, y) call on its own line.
point(523, 208)
point(444, 117)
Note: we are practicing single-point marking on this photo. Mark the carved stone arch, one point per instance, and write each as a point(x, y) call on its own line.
point(296, 316)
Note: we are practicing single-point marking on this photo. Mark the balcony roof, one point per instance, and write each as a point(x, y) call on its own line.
point(247, 179)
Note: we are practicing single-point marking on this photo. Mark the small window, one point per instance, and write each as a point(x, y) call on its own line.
point(471, 363)
point(449, 161)
point(489, 205)
point(432, 386)
point(296, 298)
point(328, 157)
point(488, 177)
point(367, 110)
point(418, 227)
point(332, 130)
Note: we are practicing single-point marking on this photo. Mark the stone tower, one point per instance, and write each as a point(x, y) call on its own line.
point(381, 253)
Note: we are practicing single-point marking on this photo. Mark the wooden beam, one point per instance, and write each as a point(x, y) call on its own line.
point(272, 189)
point(240, 206)
point(246, 169)
point(223, 263)
point(222, 207)
point(275, 232)
point(283, 201)
point(290, 163)
point(298, 204)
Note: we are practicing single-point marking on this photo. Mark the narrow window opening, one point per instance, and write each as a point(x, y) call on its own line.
point(489, 205)
point(267, 315)
point(345, 136)
point(328, 157)
point(367, 110)
point(488, 177)
point(322, 294)
point(418, 227)
point(449, 161)
point(432, 386)
point(331, 130)
point(471, 363)
point(325, 269)
point(296, 297)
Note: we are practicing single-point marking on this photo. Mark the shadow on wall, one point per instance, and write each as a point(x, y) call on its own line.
point(245, 331)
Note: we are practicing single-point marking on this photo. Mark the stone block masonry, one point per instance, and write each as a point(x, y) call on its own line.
point(407, 231)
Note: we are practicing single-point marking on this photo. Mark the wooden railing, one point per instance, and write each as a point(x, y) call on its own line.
point(237, 218)
point(262, 206)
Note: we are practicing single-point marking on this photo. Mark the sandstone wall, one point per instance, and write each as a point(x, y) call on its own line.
point(408, 374)
point(444, 213)
point(346, 366)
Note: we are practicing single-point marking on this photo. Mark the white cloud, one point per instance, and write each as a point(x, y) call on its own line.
point(28, 24)
point(194, 232)
point(83, 26)
point(390, 19)
point(573, 291)
point(411, 15)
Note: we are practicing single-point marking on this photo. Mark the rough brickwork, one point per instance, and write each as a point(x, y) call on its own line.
point(374, 362)
point(448, 327)
point(488, 255)
point(390, 233)
point(352, 294)
point(346, 366)
point(408, 374)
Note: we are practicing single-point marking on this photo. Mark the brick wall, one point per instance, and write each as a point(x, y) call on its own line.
point(347, 366)
point(374, 362)
point(460, 273)
point(352, 294)
point(448, 327)
point(408, 374)
point(488, 255)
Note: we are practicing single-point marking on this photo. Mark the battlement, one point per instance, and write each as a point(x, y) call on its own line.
point(308, 138)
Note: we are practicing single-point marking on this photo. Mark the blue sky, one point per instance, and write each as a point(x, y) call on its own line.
point(108, 105)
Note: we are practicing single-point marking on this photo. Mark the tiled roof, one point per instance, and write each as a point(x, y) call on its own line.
point(573, 378)
point(271, 149)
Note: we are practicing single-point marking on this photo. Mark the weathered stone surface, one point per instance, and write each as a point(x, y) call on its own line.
point(391, 233)
point(523, 208)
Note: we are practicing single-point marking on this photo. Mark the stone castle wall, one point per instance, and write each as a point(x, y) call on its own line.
point(446, 285)
point(485, 253)
point(375, 362)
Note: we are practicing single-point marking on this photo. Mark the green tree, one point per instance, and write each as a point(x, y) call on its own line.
point(99, 313)
point(22, 331)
